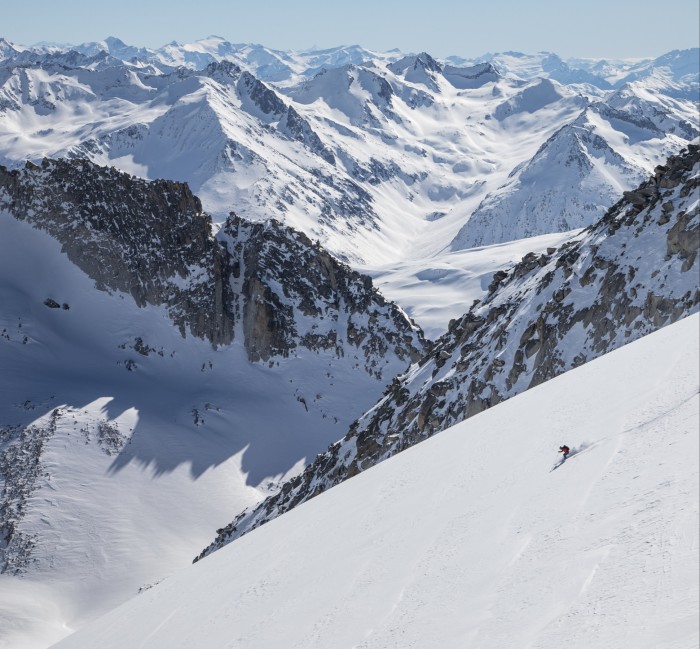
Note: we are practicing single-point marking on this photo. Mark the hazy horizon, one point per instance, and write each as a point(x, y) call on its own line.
point(598, 30)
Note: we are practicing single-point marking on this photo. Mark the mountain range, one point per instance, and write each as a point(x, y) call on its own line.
point(382, 158)
point(233, 278)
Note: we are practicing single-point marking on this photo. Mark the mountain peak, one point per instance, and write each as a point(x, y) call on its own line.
point(113, 41)
point(419, 68)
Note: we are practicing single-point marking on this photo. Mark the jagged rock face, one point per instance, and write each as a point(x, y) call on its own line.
point(148, 239)
point(626, 276)
point(297, 295)
point(152, 241)
point(296, 127)
point(260, 286)
point(20, 467)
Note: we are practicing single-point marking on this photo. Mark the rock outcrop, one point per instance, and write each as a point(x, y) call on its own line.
point(260, 286)
point(296, 295)
point(149, 239)
point(152, 240)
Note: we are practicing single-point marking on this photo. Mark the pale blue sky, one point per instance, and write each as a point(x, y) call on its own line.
point(593, 28)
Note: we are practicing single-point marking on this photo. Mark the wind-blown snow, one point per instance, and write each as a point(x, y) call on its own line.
point(470, 539)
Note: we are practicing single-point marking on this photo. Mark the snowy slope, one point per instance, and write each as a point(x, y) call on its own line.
point(581, 169)
point(626, 276)
point(435, 290)
point(470, 539)
point(151, 389)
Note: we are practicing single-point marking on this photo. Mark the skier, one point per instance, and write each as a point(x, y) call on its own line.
point(565, 450)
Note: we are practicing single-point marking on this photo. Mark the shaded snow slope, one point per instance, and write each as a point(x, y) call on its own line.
point(470, 539)
point(156, 379)
point(112, 477)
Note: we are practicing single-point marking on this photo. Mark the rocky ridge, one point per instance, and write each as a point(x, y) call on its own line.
point(298, 295)
point(151, 240)
point(260, 286)
point(631, 273)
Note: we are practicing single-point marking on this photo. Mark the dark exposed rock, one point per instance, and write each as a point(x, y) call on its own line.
point(323, 303)
point(264, 98)
point(139, 237)
point(296, 127)
point(20, 468)
point(150, 239)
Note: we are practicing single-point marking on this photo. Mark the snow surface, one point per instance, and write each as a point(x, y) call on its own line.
point(473, 538)
point(433, 291)
point(205, 433)
point(386, 148)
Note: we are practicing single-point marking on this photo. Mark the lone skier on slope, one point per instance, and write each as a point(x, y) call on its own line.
point(565, 450)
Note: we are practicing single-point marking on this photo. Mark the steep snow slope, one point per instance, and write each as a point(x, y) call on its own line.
point(470, 539)
point(631, 273)
point(122, 475)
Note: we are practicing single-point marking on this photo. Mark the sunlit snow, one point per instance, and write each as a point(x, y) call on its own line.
point(473, 538)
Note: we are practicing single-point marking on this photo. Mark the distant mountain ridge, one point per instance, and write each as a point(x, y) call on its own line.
point(355, 148)
point(275, 65)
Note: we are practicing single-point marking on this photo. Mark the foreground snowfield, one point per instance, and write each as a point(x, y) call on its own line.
point(470, 539)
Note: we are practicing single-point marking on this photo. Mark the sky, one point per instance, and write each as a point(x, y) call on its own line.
point(594, 28)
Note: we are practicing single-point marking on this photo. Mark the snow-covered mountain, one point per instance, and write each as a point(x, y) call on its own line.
point(597, 156)
point(471, 539)
point(677, 66)
point(380, 157)
point(629, 274)
point(170, 360)
point(156, 379)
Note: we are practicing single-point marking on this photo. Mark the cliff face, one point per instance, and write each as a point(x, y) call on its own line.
point(148, 239)
point(295, 294)
point(152, 240)
point(631, 273)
